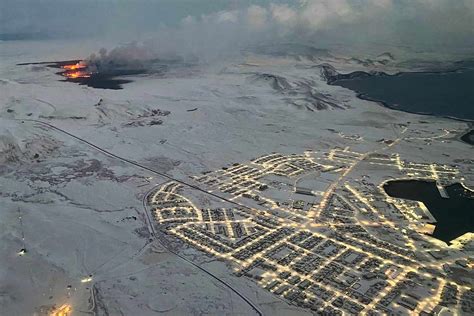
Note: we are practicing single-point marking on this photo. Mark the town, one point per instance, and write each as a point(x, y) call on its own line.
point(314, 230)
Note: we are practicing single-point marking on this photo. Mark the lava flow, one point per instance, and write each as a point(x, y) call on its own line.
point(79, 65)
point(77, 74)
point(74, 71)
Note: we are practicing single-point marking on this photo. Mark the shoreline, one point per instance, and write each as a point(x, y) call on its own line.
point(466, 137)
point(331, 79)
point(393, 107)
point(432, 198)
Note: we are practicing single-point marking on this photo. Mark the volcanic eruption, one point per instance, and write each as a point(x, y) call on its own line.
point(77, 70)
point(103, 69)
point(89, 72)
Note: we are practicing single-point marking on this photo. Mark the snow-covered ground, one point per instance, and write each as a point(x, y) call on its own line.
point(73, 166)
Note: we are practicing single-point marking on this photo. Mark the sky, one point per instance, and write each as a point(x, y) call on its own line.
point(235, 23)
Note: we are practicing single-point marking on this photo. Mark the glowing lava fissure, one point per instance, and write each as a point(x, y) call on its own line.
point(79, 65)
point(96, 74)
point(76, 74)
point(77, 70)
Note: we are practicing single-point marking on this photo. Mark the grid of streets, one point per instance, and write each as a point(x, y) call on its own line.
point(303, 230)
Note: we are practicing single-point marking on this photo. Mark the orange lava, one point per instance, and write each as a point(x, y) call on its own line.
point(77, 74)
point(75, 71)
point(79, 65)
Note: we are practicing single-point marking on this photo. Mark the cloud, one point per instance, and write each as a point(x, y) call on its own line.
point(215, 27)
point(256, 17)
point(225, 16)
point(403, 22)
point(283, 14)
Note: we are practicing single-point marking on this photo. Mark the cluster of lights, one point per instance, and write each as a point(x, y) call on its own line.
point(63, 310)
point(350, 159)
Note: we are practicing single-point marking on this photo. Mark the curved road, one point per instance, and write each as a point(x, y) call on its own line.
point(150, 223)
point(163, 244)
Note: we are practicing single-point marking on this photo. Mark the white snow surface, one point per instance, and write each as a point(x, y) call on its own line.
point(81, 210)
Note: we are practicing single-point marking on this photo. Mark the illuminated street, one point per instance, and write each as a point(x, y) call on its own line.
point(260, 158)
point(347, 248)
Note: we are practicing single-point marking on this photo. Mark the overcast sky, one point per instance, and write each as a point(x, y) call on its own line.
point(430, 23)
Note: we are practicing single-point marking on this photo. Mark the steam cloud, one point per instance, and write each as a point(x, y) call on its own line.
point(410, 22)
point(208, 29)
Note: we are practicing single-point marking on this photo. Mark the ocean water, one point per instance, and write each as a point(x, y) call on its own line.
point(441, 94)
point(454, 216)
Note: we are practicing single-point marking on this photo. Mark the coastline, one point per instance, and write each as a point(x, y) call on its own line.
point(331, 79)
point(393, 107)
point(466, 137)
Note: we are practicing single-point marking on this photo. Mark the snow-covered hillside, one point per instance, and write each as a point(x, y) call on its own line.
point(76, 164)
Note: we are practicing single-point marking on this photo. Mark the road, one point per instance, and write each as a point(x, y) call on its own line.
point(150, 225)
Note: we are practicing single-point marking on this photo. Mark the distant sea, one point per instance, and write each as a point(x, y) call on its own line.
point(449, 94)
